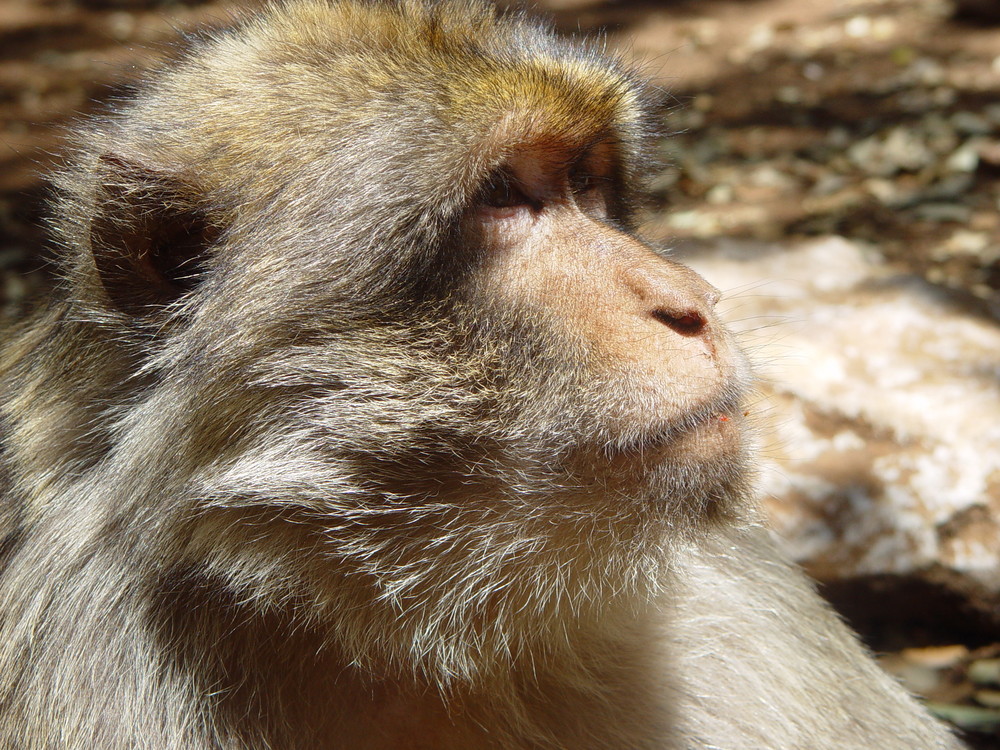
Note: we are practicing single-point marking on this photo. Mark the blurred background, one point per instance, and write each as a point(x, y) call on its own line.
point(834, 167)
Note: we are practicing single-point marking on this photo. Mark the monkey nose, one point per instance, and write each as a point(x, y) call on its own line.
point(673, 295)
point(686, 323)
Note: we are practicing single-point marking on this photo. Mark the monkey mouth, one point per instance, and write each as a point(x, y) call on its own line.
point(723, 416)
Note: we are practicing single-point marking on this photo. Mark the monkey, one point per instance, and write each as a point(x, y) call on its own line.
point(361, 417)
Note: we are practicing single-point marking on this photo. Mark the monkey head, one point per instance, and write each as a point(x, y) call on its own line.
point(390, 335)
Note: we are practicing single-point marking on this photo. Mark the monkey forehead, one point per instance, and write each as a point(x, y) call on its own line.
point(566, 102)
point(463, 58)
point(320, 98)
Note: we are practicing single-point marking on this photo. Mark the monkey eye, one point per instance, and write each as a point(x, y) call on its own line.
point(591, 191)
point(583, 182)
point(501, 192)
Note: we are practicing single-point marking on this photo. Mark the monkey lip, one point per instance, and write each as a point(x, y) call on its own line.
point(714, 418)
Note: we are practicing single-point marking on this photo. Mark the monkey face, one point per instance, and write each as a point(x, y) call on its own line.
point(655, 374)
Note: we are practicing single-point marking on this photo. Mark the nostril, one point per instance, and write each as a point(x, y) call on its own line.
point(689, 323)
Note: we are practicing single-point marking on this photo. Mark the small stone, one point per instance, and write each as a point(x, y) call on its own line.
point(903, 56)
point(883, 28)
point(989, 698)
point(886, 154)
point(985, 671)
point(720, 194)
point(971, 718)
point(858, 27)
point(703, 102)
point(989, 152)
point(926, 72)
point(789, 95)
point(121, 25)
point(971, 123)
point(828, 184)
point(813, 71)
point(761, 37)
point(936, 657)
point(963, 159)
point(943, 212)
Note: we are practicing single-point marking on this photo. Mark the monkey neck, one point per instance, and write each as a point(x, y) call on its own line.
point(272, 665)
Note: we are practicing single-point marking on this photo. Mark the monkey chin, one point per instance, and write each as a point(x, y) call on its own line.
point(693, 472)
point(704, 438)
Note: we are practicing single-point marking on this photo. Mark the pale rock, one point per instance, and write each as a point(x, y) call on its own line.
point(878, 411)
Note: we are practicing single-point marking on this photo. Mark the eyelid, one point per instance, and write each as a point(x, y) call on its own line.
point(585, 174)
point(501, 191)
point(583, 181)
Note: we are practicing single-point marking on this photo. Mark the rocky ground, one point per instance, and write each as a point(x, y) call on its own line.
point(834, 166)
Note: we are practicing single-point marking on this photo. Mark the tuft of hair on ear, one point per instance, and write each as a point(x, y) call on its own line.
point(149, 237)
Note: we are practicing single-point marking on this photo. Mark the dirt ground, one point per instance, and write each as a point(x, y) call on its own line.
point(878, 120)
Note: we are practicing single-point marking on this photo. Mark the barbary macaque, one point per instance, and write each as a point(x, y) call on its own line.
point(362, 419)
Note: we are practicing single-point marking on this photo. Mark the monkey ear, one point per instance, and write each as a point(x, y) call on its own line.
point(148, 237)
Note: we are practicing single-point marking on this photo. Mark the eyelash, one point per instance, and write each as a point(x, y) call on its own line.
point(584, 183)
point(501, 192)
